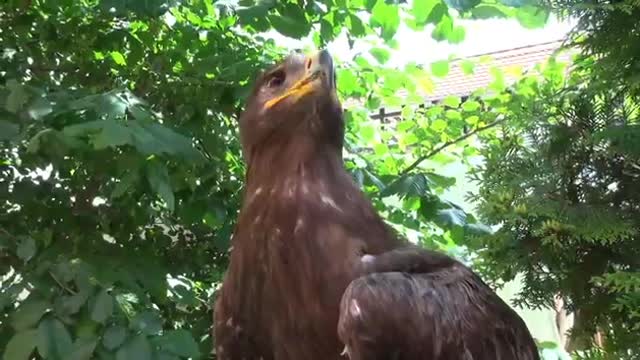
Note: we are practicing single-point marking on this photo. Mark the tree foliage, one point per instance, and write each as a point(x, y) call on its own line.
point(560, 183)
point(610, 32)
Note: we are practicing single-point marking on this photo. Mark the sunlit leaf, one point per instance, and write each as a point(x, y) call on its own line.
point(118, 58)
point(462, 5)
point(382, 55)
point(467, 67)
point(457, 35)
point(439, 125)
point(387, 17)
point(444, 29)
point(470, 106)
point(422, 8)
point(451, 101)
point(532, 17)
point(440, 68)
point(487, 11)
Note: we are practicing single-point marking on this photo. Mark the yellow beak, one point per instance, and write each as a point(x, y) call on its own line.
point(316, 66)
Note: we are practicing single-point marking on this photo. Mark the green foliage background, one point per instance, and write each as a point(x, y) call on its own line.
point(121, 172)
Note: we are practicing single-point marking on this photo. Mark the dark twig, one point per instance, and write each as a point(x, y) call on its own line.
point(62, 285)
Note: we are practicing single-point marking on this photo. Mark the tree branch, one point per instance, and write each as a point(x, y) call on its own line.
point(438, 149)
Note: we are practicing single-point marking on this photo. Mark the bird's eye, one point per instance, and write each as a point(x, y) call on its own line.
point(277, 79)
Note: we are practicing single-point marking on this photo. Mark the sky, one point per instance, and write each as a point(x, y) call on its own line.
point(482, 36)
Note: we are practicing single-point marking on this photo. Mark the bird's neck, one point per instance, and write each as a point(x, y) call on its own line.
point(294, 161)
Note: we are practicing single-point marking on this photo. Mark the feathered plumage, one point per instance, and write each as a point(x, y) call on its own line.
point(315, 273)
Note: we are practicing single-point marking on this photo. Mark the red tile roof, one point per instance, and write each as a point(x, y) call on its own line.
point(457, 83)
point(525, 58)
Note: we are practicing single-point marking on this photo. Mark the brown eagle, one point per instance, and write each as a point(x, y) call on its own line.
point(315, 273)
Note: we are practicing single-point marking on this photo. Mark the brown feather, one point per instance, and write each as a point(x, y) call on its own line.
point(301, 234)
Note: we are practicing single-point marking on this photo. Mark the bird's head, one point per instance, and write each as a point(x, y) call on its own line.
point(295, 99)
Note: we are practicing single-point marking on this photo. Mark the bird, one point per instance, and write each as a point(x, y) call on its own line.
point(314, 271)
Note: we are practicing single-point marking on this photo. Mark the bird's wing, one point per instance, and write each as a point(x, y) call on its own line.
point(415, 304)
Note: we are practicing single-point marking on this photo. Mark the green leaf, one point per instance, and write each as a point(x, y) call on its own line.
point(532, 17)
point(118, 58)
point(444, 29)
point(380, 149)
point(467, 67)
point(71, 304)
point(440, 68)
point(28, 314)
point(113, 337)
point(26, 248)
point(54, 341)
point(159, 355)
point(547, 345)
point(348, 82)
point(435, 16)
point(137, 348)
point(478, 229)
point(158, 177)
point(407, 185)
point(439, 125)
point(487, 12)
point(18, 96)
point(357, 26)
point(128, 181)
point(381, 55)
point(291, 22)
point(453, 115)
point(462, 5)
point(8, 130)
point(21, 345)
point(102, 307)
point(147, 322)
point(83, 349)
point(326, 30)
point(179, 342)
point(517, 3)
point(154, 138)
point(112, 135)
point(85, 330)
point(451, 101)
point(470, 106)
point(386, 17)
point(440, 181)
point(457, 35)
point(421, 9)
point(451, 217)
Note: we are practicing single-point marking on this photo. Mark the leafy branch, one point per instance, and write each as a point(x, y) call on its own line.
point(445, 145)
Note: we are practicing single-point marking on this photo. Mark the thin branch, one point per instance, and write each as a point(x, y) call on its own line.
point(61, 284)
point(438, 149)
